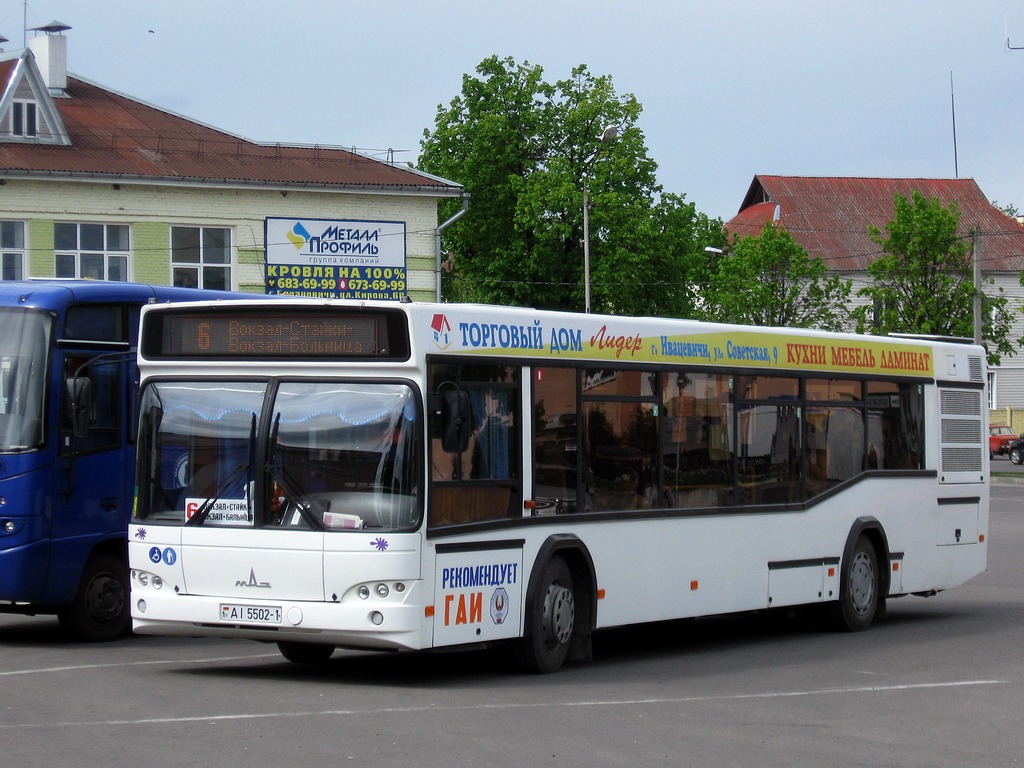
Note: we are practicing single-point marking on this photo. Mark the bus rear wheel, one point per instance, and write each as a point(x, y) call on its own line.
point(100, 610)
point(859, 590)
point(305, 653)
point(552, 620)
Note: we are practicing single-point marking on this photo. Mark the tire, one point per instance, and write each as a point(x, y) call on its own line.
point(860, 597)
point(100, 611)
point(305, 653)
point(1016, 455)
point(551, 621)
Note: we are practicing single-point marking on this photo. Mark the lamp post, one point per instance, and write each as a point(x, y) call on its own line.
point(607, 135)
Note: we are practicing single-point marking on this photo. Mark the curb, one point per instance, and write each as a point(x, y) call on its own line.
point(1005, 479)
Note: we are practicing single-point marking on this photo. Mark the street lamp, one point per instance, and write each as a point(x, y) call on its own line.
point(607, 135)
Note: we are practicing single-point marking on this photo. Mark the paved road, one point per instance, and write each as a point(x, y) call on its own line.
point(939, 683)
point(1001, 465)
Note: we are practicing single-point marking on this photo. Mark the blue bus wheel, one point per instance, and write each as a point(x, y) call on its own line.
point(100, 609)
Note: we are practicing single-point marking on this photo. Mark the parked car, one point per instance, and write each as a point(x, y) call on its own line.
point(1016, 450)
point(999, 438)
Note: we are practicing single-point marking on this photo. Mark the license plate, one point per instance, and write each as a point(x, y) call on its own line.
point(250, 614)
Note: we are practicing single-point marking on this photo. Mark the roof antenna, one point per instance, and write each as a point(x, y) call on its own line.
point(952, 105)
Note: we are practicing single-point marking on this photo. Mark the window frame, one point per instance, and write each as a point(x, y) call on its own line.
point(15, 253)
point(24, 118)
point(205, 265)
point(84, 259)
point(458, 494)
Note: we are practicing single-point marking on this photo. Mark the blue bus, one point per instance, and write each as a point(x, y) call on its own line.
point(68, 386)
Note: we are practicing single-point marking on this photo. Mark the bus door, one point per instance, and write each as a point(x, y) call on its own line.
point(476, 478)
point(94, 478)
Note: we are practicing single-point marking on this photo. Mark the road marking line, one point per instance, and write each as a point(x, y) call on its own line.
point(481, 707)
point(74, 667)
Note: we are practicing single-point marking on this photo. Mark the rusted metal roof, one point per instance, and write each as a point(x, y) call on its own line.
point(118, 138)
point(829, 216)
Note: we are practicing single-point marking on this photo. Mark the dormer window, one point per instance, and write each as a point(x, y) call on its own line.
point(23, 118)
point(28, 114)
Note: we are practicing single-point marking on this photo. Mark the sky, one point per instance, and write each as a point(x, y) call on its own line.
point(729, 88)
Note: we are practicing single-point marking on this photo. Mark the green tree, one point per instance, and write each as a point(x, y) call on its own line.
point(524, 148)
point(924, 283)
point(679, 260)
point(769, 280)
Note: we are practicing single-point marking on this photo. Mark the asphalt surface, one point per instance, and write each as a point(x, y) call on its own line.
point(939, 682)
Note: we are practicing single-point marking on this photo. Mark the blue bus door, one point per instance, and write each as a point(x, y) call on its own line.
point(92, 503)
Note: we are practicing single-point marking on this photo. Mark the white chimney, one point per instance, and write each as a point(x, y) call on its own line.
point(51, 52)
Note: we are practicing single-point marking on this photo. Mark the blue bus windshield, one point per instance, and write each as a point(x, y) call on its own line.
point(24, 346)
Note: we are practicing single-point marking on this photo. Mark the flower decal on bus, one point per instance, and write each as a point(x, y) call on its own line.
point(380, 543)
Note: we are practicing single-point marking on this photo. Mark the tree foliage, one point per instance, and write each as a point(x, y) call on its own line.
point(524, 149)
point(769, 280)
point(924, 283)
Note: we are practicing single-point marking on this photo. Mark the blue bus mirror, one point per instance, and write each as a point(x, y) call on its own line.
point(79, 404)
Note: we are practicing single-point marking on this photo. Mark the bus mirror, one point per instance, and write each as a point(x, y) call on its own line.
point(79, 404)
point(455, 427)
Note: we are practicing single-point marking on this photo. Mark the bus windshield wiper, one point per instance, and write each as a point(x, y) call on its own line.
point(232, 477)
point(207, 506)
point(292, 491)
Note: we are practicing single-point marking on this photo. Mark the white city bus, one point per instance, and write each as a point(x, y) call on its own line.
point(325, 474)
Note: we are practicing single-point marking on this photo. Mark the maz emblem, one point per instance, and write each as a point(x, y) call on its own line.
point(252, 582)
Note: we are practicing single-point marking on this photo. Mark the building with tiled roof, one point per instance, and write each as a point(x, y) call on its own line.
point(94, 183)
point(830, 217)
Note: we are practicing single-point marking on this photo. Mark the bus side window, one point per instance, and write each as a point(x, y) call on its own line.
point(895, 425)
point(620, 440)
point(697, 453)
point(479, 478)
point(555, 439)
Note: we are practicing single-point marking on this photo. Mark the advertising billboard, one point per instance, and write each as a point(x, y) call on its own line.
point(335, 258)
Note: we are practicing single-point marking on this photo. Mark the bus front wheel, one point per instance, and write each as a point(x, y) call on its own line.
point(305, 653)
point(859, 591)
point(552, 620)
point(100, 610)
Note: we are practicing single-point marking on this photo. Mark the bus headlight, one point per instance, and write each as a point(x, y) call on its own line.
point(11, 525)
point(380, 590)
point(146, 579)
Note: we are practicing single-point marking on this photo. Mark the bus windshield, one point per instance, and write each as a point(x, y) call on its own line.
point(322, 455)
point(23, 364)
